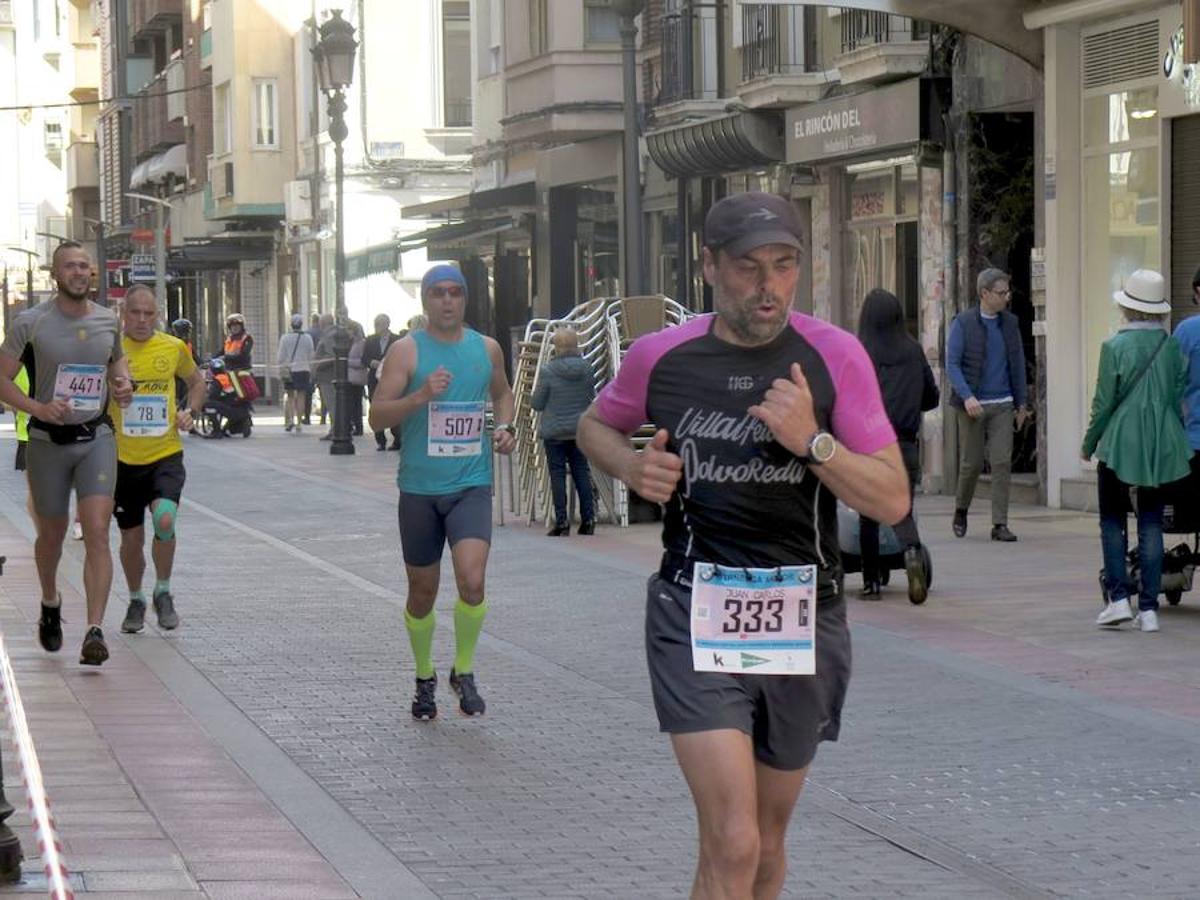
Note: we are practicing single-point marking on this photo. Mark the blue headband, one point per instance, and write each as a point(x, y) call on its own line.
point(442, 272)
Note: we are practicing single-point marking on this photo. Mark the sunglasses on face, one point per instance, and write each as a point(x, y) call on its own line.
point(454, 291)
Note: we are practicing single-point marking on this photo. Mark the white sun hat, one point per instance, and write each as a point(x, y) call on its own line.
point(1145, 291)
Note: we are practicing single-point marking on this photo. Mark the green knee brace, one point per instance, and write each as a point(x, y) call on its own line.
point(158, 510)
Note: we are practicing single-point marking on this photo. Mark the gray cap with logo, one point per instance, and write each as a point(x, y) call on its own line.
point(744, 222)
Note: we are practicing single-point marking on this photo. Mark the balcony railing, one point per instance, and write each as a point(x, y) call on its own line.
point(774, 40)
point(689, 53)
point(153, 15)
point(153, 130)
point(458, 112)
point(206, 47)
point(867, 29)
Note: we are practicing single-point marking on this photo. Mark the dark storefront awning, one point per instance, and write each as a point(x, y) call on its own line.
point(513, 195)
point(220, 252)
point(726, 144)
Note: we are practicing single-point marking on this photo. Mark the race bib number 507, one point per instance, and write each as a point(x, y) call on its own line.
point(455, 428)
point(756, 621)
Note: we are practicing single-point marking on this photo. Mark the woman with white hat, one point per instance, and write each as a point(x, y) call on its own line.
point(1136, 432)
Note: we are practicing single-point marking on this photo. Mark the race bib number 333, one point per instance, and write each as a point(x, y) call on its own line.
point(756, 621)
point(455, 428)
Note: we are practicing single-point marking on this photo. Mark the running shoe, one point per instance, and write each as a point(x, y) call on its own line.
point(94, 650)
point(424, 705)
point(164, 608)
point(469, 700)
point(135, 617)
point(50, 628)
point(76, 531)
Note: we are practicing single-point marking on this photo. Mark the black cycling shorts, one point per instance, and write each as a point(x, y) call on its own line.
point(139, 486)
point(428, 521)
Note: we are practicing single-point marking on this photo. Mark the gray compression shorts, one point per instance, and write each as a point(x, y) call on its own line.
point(428, 521)
point(786, 716)
point(53, 469)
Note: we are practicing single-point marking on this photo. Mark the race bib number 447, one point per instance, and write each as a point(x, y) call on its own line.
point(754, 621)
point(455, 428)
point(81, 386)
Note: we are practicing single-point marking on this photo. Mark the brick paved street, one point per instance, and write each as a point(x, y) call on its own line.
point(995, 743)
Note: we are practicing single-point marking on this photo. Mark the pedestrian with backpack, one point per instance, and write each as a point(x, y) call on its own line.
point(1136, 433)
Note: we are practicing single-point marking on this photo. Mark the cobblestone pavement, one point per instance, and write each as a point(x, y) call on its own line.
point(994, 743)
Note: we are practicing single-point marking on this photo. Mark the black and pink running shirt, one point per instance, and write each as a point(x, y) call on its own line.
point(745, 500)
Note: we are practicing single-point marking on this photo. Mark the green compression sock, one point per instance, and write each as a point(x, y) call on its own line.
point(468, 623)
point(162, 587)
point(137, 595)
point(420, 635)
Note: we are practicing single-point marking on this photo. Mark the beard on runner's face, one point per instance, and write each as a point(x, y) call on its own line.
point(756, 318)
point(75, 287)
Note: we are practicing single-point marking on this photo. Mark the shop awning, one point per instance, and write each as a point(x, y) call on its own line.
point(220, 252)
point(490, 200)
point(726, 144)
point(172, 161)
point(377, 260)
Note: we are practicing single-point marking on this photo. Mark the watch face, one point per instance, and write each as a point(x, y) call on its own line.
point(822, 447)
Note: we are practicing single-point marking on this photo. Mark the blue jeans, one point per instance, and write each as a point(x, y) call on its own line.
point(1114, 509)
point(558, 455)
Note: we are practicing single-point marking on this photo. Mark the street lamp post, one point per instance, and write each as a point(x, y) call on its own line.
point(161, 209)
point(334, 56)
point(30, 256)
point(629, 10)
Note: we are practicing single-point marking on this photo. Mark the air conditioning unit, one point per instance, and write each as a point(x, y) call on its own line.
point(297, 202)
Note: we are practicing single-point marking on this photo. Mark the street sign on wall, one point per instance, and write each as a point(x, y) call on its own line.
point(141, 267)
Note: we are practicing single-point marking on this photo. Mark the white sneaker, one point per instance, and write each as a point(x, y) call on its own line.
point(77, 531)
point(1115, 613)
point(1147, 620)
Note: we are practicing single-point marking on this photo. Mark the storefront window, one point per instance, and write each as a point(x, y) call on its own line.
point(1121, 221)
point(882, 245)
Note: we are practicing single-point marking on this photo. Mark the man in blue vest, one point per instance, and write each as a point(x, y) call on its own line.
point(1187, 333)
point(435, 385)
point(986, 365)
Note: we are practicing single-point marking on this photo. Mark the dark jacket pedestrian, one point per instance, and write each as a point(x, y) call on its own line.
point(1137, 434)
point(909, 390)
point(985, 362)
point(566, 386)
point(374, 350)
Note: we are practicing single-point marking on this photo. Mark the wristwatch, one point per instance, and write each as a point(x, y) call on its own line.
point(821, 448)
point(509, 427)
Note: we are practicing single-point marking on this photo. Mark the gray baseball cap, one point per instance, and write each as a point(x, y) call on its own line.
point(744, 222)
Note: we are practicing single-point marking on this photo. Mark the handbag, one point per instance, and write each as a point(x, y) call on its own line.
point(286, 374)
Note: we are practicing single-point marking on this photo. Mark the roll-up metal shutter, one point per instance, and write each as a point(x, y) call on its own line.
point(1185, 213)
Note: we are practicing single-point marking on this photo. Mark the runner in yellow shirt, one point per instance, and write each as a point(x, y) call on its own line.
point(150, 469)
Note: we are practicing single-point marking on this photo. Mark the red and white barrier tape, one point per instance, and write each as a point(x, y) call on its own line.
point(49, 847)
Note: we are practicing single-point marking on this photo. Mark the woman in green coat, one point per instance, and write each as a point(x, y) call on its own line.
point(1137, 434)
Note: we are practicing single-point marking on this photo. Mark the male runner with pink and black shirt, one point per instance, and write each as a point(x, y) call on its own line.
point(765, 419)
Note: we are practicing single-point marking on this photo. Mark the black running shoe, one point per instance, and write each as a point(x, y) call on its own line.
point(424, 705)
point(164, 608)
point(469, 700)
point(50, 628)
point(135, 617)
point(94, 650)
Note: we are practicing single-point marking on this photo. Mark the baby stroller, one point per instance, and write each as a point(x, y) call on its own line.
point(1179, 562)
point(891, 551)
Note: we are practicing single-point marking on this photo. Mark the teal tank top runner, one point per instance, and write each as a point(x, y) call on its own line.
point(445, 447)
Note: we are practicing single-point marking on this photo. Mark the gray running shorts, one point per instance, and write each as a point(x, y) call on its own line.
point(785, 715)
point(53, 469)
point(428, 521)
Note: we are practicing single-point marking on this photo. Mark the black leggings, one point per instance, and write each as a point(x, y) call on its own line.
point(906, 528)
